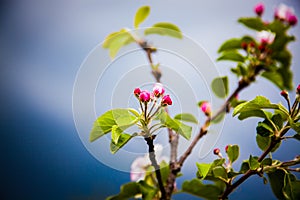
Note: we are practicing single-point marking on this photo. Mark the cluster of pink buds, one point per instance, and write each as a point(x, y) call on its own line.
point(152, 102)
point(158, 92)
point(282, 13)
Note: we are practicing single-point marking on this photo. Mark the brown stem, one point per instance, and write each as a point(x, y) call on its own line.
point(173, 137)
point(156, 166)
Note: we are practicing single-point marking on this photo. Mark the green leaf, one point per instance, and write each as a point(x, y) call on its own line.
point(148, 192)
point(115, 41)
point(233, 152)
point(164, 170)
point(274, 77)
point(253, 163)
point(287, 77)
point(115, 133)
point(254, 108)
point(264, 129)
point(164, 28)
point(276, 180)
point(253, 23)
point(244, 167)
point(186, 117)
point(203, 169)
point(177, 126)
point(197, 188)
point(264, 142)
point(122, 140)
point(140, 16)
point(295, 126)
point(220, 172)
point(219, 118)
point(128, 190)
point(104, 124)
point(266, 162)
point(234, 43)
point(232, 56)
point(220, 86)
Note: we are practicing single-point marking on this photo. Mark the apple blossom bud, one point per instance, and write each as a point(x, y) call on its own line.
point(226, 148)
point(244, 45)
point(166, 100)
point(216, 151)
point(292, 20)
point(158, 90)
point(259, 9)
point(298, 89)
point(144, 96)
point(284, 93)
point(252, 44)
point(137, 92)
point(266, 37)
point(262, 47)
point(205, 107)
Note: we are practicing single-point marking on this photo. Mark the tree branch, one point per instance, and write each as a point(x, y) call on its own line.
point(249, 173)
point(156, 166)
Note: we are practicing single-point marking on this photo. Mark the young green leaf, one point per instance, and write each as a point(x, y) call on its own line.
point(115, 41)
point(220, 86)
point(140, 16)
point(104, 124)
point(164, 170)
point(220, 172)
point(115, 133)
point(203, 169)
point(197, 188)
point(296, 126)
point(234, 43)
point(263, 142)
point(253, 23)
point(254, 108)
point(253, 163)
point(164, 28)
point(244, 166)
point(231, 56)
point(177, 126)
point(186, 117)
point(148, 192)
point(128, 190)
point(233, 152)
point(122, 140)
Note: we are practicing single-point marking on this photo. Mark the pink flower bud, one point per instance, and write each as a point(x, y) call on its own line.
point(137, 92)
point(166, 100)
point(282, 12)
point(216, 151)
point(292, 20)
point(145, 96)
point(259, 9)
point(226, 148)
point(266, 37)
point(158, 90)
point(284, 93)
point(205, 107)
point(298, 89)
point(244, 45)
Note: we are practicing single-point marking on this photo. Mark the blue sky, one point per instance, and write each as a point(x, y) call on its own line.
point(44, 43)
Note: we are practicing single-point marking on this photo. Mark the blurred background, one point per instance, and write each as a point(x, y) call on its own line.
point(43, 44)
